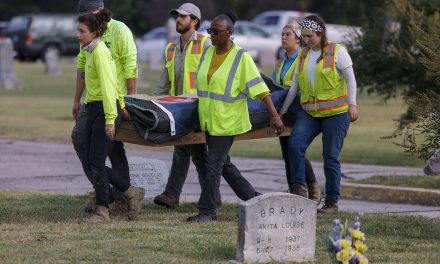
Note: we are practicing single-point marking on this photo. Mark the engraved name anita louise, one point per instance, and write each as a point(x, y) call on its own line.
point(288, 210)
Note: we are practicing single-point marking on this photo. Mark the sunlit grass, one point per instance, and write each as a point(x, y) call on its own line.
point(43, 228)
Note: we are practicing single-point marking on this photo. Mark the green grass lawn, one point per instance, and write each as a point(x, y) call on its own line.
point(43, 228)
point(417, 181)
point(41, 111)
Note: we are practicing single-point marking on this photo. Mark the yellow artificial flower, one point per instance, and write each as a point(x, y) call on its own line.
point(345, 243)
point(357, 235)
point(358, 254)
point(344, 255)
point(363, 260)
point(360, 246)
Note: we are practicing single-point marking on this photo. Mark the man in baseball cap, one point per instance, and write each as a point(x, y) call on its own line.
point(182, 57)
point(187, 9)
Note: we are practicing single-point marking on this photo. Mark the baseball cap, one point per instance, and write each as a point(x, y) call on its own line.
point(187, 9)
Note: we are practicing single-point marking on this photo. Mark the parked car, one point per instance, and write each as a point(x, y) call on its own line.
point(34, 35)
point(274, 21)
point(154, 40)
point(3, 28)
point(252, 37)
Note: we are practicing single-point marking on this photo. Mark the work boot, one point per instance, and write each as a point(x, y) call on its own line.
point(119, 208)
point(100, 216)
point(329, 207)
point(298, 189)
point(167, 200)
point(202, 218)
point(135, 197)
point(90, 206)
point(314, 192)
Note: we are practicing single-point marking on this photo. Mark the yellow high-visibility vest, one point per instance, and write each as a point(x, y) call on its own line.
point(223, 109)
point(192, 60)
point(328, 95)
point(287, 78)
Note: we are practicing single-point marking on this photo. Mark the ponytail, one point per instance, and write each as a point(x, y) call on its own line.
point(96, 22)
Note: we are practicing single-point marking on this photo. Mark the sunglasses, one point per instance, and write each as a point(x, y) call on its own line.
point(215, 31)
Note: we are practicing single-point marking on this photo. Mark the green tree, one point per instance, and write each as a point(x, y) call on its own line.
point(421, 130)
point(388, 62)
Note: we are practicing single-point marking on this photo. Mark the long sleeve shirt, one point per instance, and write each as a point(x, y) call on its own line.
point(119, 40)
point(101, 81)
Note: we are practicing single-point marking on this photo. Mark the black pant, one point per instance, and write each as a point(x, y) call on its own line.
point(181, 161)
point(310, 174)
point(97, 146)
point(116, 154)
point(218, 163)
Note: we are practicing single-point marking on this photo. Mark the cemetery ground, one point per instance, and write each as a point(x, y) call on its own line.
point(42, 227)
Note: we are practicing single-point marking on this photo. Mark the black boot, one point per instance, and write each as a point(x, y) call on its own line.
point(329, 207)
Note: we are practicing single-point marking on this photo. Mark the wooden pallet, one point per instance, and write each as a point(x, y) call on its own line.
point(127, 133)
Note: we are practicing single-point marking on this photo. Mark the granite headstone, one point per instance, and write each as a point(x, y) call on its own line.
point(8, 78)
point(150, 174)
point(432, 165)
point(52, 61)
point(276, 227)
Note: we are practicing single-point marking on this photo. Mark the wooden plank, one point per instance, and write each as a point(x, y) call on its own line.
point(127, 133)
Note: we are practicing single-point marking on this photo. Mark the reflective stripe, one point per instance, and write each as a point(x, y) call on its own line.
point(198, 67)
point(302, 58)
point(226, 96)
point(192, 79)
point(197, 45)
point(325, 104)
point(170, 52)
point(328, 58)
point(277, 68)
point(202, 93)
point(253, 82)
point(234, 68)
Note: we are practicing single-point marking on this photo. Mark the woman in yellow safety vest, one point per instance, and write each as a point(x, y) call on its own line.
point(282, 74)
point(104, 100)
point(227, 75)
point(324, 76)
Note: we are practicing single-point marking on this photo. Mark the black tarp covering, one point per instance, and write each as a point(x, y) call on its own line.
point(175, 116)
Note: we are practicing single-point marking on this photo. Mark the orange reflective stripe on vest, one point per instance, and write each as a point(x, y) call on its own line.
point(192, 79)
point(170, 51)
point(322, 105)
point(197, 45)
point(302, 58)
point(329, 55)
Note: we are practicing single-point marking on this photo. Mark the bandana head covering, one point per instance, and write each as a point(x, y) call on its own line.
point(311, 25)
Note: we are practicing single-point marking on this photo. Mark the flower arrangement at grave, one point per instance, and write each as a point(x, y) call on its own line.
point(347, 243)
